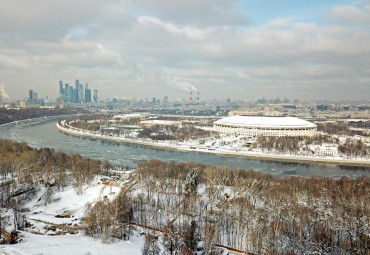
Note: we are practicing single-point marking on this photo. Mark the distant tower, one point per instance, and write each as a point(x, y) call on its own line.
point(81, 94)
point(87, 93)
point(30, 93)
point(77, 84)
point(198, 97)
point(165, 101)
point(32, 96)
point(66, 93)
point(96, 98)
point(61, 89)
point(69, 94)
point(191, 98)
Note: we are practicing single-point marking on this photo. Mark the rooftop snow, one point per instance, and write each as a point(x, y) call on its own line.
point(160, 122)
point(127, 116)
point(264, 121)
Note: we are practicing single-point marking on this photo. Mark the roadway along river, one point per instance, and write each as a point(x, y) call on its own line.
point(43, 133)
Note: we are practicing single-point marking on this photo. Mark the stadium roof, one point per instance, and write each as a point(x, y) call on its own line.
point(259, 121)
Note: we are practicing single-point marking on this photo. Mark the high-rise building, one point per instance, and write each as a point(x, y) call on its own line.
point(61, 89)
point(81, 94)
point(75, 96)
point(30, 92)
point(87, 94)
point(32, 96)
point(96, 98)
point(69, 96)
point(76, 91)
point(66, 92)
point(77, 84)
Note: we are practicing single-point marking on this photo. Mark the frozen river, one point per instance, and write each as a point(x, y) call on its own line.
point(43, 133)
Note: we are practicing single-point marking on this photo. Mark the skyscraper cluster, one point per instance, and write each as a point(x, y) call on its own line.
point(78, 94)
point(33, 98)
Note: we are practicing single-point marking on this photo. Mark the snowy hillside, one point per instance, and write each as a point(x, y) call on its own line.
point(56, 226)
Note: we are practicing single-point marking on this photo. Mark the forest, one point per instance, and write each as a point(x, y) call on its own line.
point(24, 169)
point(189, 208)
point(200, 206)
point(339, 128)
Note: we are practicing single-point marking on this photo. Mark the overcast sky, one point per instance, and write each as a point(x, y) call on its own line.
point(223, 48)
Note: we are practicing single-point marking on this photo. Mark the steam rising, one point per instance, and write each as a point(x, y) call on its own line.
point(186, 86)
point(3, 92)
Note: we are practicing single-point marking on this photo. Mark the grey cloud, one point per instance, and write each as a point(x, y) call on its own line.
point(52, 20)
point(122, 53)
point(350, 14)
point(195, 12)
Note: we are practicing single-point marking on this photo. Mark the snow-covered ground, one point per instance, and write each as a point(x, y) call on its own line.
point(71, 244)
point(56, 226)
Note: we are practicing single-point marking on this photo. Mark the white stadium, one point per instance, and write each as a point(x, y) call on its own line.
point(265, 126)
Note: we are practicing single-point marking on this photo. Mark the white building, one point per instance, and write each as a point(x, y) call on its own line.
point(265, 126)
point(326, 151)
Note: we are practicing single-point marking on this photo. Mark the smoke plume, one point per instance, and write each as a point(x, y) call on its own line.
point(186, 86)
point(3, 92)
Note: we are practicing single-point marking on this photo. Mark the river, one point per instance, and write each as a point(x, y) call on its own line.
point(42, 132)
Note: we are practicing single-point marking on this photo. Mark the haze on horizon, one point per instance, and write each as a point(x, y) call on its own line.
point(223, 48)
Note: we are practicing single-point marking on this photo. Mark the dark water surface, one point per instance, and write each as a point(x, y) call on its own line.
point(42, 132)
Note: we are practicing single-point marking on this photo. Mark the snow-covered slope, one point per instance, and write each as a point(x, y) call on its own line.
point(56, 226)
point(72, 244)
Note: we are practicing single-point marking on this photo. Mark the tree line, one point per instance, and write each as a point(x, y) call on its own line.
point(9, 115)
point(354, 148)
point(339, 128)
point(351, 147)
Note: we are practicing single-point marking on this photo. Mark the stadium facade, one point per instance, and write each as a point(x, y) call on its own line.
point(265, 126)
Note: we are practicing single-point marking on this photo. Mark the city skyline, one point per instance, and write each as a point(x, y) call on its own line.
point(79, 94)
point(225, 49)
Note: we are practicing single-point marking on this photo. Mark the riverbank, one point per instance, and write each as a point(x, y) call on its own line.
point(218, 151)
point(38, 119)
